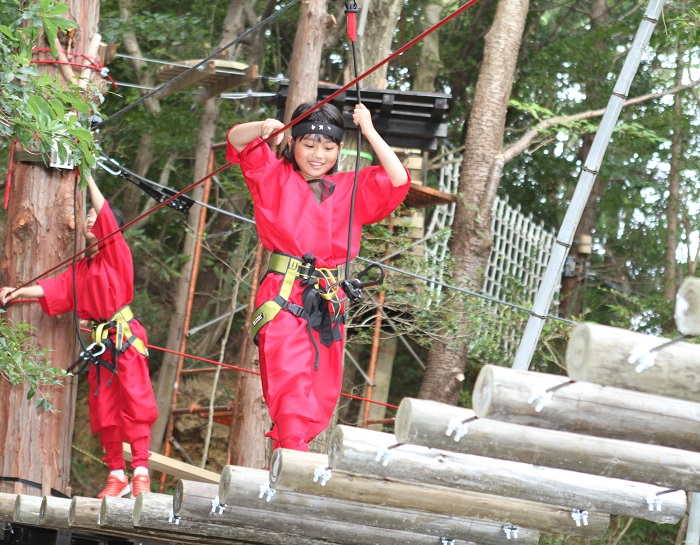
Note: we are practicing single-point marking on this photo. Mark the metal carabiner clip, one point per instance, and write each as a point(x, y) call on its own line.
point(90, 350)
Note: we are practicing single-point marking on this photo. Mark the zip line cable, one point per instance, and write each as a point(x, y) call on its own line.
point(199, 64)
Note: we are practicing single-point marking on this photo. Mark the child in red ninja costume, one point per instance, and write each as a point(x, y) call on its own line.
point(302, 213)
point(122, 404)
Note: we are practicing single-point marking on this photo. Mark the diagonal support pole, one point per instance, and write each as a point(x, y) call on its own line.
point(565, 237)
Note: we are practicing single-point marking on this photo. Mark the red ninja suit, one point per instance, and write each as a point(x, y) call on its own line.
point(300, 399)
point(124, 408)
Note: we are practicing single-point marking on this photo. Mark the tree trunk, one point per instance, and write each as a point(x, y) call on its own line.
point(674, 187)
point(471, 242)
point(40, 233)
point(430, 63)
point(571, 285)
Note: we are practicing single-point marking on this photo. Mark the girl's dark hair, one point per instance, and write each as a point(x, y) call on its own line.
point(325, 114)
point(119, 217)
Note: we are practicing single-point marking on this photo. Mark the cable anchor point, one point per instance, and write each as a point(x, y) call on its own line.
point(267, 492)
point(642, 359)
point(457, 426)
point(540, 398)
point(580, 517)
point(216, 505)
point(322, 475)
point(172, 518)
point(511, 531)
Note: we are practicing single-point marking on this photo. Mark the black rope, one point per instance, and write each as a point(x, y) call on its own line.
point(33, 484)
point(199, 64)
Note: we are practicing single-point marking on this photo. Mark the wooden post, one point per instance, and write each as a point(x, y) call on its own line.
point(294, 471)
point(599, 353)
point(512, 395)
point(355, 450)
point(423, 422)
point(27, 510)
point(240, 484)
point(54, 512)
point(687, 310)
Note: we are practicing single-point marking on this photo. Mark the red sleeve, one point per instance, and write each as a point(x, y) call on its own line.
point(256, 161)
point(58, 293)
point(114, 250)
point(376, 196)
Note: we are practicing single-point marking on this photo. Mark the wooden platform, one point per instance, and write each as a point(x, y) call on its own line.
point(213, 78)
point(404, 118)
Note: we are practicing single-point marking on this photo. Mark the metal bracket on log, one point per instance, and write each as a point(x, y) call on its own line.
point(322, 474)
point(173, 518)
point(266, 491)
point(511, 531)
point(217, 506)
point(580, 517)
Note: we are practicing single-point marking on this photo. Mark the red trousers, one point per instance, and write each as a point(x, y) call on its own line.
point(300, 399)
point(123, 409)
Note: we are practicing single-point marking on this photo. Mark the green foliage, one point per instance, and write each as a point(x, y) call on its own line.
point(22, 363)
point(35, 108)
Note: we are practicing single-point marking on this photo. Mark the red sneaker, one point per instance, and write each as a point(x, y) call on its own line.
point(140, 483)
point(116, 487)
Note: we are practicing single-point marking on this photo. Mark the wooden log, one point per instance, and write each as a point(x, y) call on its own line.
point(599, 354)
point(27, 510)
point(152, 511)
point(423, 422)
point(117, 514)
point(84, 513)
point(7, 506)
point(241, 486)
point(512, 395)
point(54, 512)
point(195, 504)
point(294, 471)
point(687, 310)
point(355, 450)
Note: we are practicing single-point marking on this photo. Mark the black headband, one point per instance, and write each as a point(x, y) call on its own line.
point(313, 127)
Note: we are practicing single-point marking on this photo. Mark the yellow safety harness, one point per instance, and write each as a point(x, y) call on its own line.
point(101, 341)
point(314, 308)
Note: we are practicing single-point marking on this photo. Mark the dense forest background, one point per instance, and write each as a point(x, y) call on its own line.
point(642, 215)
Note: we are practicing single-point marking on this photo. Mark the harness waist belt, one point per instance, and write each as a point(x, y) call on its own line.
point(281, 263)
point(124, 337)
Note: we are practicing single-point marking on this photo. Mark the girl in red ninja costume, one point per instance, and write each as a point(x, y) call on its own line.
point(122, 404)
point(302, 213)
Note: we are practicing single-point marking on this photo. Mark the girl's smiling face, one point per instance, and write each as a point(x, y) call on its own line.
point(89, 223)
point(315, 155)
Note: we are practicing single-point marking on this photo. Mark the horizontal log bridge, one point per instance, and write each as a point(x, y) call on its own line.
point(601, 354)
point(292, 471)
point(432, 424)
point(117, 515)
point(558, 403)
point(27, 510)
point(7, 506)
point(194, 503)
point(356, 449)
point(242, 486)
point(687, 311)
point(54, 512)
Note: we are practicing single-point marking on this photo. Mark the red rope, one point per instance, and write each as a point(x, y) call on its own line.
point(157, 207)
point(395, 54)
point(95, 64)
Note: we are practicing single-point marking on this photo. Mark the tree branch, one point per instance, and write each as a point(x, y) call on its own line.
point(515, 149)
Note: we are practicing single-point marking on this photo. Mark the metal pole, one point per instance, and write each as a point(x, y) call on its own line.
point(692, 536)
point(565, 237)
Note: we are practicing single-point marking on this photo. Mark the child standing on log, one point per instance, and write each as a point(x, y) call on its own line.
point(122, 403)
point(302, 213)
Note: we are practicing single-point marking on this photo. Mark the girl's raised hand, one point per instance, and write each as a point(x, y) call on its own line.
point(362, 117)
point(269, 127)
